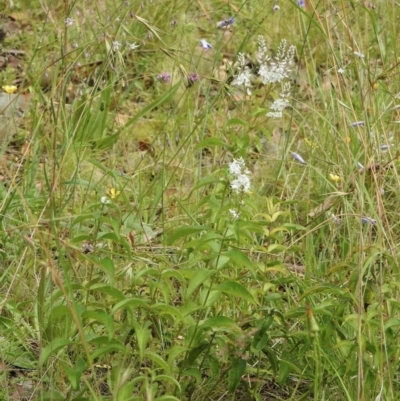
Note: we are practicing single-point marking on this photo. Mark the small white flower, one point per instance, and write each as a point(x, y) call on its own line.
point(243, 79)
point(241, 181)
point(69, 22)
point(341, 71)
point(359, 55)
point(234, 214)
point(132, 46)
point(116, 45)
point(104, 200)
point(298, 158)
point(276, 8)
point(205, 45)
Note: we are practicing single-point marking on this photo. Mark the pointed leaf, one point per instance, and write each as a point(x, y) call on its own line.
point(235, 289)
point(53, 347)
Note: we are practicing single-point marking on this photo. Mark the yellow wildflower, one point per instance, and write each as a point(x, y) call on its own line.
point(9, 88)
point(310, 143)
point(113, 193)
point(334, 177)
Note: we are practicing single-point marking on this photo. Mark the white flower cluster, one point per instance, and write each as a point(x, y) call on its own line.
point(272, 70)
point(243, 79)
point(279, 67)
point(241, 181)
point(281, 103)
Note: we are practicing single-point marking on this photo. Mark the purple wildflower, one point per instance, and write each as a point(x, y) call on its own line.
point(164, 77)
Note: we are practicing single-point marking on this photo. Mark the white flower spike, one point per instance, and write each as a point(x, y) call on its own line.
point(280, 104)
point(280, 66)
point(241, 181)
point(243, 79)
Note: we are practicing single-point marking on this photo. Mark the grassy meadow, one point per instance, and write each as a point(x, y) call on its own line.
point(199, 200)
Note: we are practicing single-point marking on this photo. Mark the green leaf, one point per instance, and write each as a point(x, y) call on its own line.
point(209, 180)
point(168, 379)
point(237, 121)
point(157, 360)
point(199, 277)
point(184, 232)
point(211, 142)
point(261, 338)
point(142, 336)
point(331, 288)
point(106, 289)
point(98, 165)
point(235, 289)
point(173, 353)
point(163, 309)
point(235, 374)
point(240, 259)
point(118, 239)
point(111, 348)
point(53, 347)
point(391, 323)
point(109, 268)
point(74, 373)
point(284, 371)
point(105, 143)
point(193, 373)
point(220, 322)
point(130, 303)
point(58, 312)
point(102, 317)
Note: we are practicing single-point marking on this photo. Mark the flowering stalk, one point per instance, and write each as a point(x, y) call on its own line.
point(281, 103)
point(243, 79)
point(241, 176)
point(279, 67)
